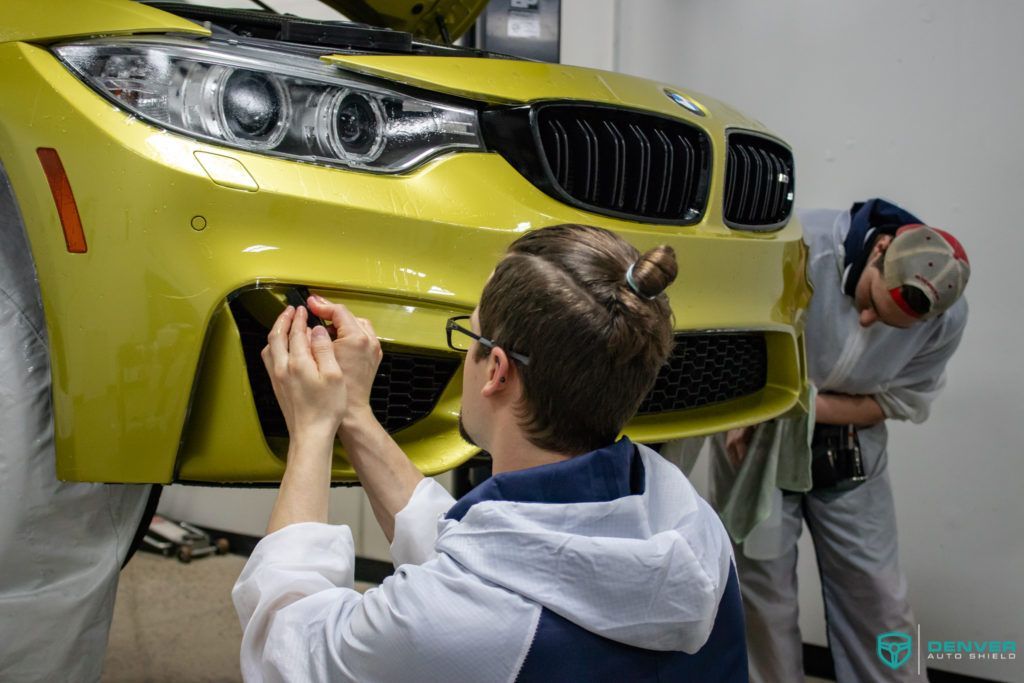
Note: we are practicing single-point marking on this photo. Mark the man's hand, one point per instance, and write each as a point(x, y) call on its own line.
point(387, 476)
point(310, 387)
point(307, 379)
point(737, 443)
point(356, 349)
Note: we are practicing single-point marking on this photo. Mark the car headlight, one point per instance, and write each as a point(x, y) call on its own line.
point(271, 102)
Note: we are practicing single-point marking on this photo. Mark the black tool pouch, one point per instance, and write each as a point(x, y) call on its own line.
point(836, 463)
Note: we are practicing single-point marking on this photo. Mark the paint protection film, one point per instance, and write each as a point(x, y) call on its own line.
point(61, 544)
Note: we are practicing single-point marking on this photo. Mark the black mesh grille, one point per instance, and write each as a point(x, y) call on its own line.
point(406, 389)
point(759, 183)
point(708, 368)
point(626, 163)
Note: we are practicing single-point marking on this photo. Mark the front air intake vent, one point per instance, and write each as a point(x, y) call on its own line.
point(611, 161)
point(759, 183)
point(406, 389)
point(709, 368)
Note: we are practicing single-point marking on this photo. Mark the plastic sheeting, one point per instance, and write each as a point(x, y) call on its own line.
point(61, 544)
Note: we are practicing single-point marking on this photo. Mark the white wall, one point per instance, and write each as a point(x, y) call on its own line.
point(246, 511)
point(920, 102)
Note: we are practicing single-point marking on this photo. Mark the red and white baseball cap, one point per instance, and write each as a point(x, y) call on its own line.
point(929, 259)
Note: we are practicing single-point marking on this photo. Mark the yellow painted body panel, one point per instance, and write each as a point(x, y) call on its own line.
point(35, 21)
point(433, 444)
point(148, 375)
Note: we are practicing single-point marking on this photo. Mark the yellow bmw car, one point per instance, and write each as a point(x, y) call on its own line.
point(175, 174)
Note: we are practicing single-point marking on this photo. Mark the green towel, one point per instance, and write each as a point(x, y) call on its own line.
point(779, 457)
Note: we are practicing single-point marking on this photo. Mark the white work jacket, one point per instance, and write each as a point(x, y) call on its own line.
point(608, 560)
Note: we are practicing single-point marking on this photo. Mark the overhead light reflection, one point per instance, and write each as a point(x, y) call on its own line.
point(412, 272)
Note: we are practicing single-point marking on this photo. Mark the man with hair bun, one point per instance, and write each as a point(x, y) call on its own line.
point(886, 315)
point(583, 558)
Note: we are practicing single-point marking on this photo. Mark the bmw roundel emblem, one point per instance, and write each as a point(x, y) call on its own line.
point(684, 102)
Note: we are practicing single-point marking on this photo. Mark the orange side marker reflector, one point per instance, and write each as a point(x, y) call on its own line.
point(60, 187)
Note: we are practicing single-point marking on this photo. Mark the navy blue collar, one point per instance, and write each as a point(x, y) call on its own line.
point(599, 476)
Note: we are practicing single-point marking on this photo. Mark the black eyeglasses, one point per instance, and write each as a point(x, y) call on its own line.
point(459, 344)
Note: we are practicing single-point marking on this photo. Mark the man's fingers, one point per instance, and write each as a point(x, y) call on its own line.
point(323, 352)
point(277, 339)
point(341, 318)
point(736, 446)
point(298, 339)
point(322, 308)
point(371, 334)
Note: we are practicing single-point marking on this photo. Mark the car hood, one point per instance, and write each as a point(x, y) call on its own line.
point(510, 82)
point(421, 18)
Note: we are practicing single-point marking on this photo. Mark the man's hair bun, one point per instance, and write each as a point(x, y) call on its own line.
point(654, 271)
point(562, 296)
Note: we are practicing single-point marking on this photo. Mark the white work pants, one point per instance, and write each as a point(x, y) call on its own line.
point(863, 586)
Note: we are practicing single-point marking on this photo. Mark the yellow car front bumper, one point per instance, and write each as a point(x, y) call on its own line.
point(149, 373)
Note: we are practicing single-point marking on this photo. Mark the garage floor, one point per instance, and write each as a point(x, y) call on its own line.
point(174, 622)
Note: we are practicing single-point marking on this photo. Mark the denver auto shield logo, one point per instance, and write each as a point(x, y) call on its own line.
point(894, 648)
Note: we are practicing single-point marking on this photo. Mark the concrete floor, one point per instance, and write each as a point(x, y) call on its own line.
point(174, 622)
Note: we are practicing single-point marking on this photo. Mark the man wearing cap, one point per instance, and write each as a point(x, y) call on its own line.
point(886, 316)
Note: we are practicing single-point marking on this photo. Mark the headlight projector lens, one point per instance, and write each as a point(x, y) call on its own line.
point(357, 132)
point(253, 108)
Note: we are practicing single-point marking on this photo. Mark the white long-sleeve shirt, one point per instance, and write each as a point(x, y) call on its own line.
point(612, 552)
